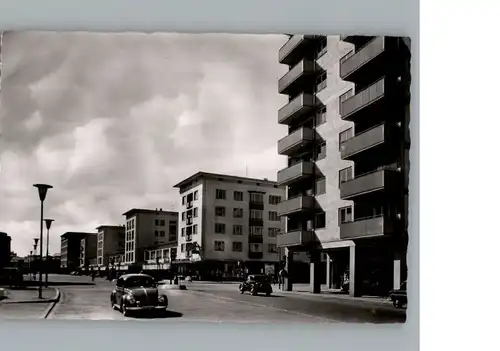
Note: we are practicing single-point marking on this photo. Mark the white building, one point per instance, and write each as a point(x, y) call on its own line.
point(145, 228)
point(228, 224)
point(110, 242)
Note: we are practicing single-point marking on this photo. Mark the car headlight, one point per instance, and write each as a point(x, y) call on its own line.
point(131, 299)
point(162, 299)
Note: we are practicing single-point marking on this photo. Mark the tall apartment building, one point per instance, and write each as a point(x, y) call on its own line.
point(146, 228)
point(5, 243)
point(228, 224)
point(88, 251)
point(110, 242)
point(70, 249)
point(347, 149)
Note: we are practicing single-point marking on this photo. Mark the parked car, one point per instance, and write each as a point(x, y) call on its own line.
point(257, 283)
point(134, 292)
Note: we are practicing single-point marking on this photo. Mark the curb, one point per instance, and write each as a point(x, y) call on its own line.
point(54, 299)
point(53, 304)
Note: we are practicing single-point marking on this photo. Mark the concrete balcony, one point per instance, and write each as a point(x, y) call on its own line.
point(295, 173)
point(297, 204)
point(298, 107)
point(369, 57)
point(368, 228)
point(358, 40)
point(301, 72)
point(296, 238)
point(255, 255)
point(295, 141)
point(369, 183)
point(293, 49)
point(362, 100)
point(367, 140)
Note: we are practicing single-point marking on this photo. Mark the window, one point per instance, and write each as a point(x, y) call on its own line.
point(321, 82)
point(196, 195)
point(183, 200)
point(345, 174)
point(195, 212)
point(257, 198)
point(219, 245)
point(237, 229)
point(237, 212)
point(162, 222)
point(321, 220)
point(320, 151)
point(238, 196)
point(274, 200)
point(344, 136)
point(183, 247)
point(320, 186)
point(156, 233)
point(255, 230)
point(272, 232)
point(256, 214)
point(183, 216)
point(321, 116)
point(220, 194)
point(272, 248)
point(195, 229)
point(321, 47)
point(162, 233)
point(345, 214)
point(220, 211)
point(172, 227)
point(183, 231)
point(273, 216)
point(152, 255)
point(237, 246)
point(220, 228)
point(255, 247)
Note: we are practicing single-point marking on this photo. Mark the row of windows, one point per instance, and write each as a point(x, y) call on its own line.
point(129, 246)
point(237, 246)
point(187, 214)
point(129, 257)
point(220, 194)
point(220, 211)
point(220, 228)
point(131, 224)
point(129, 236)
point(189, 230)
point(190, 197)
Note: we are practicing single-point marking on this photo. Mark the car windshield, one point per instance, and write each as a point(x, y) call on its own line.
point(140, 282)
point(258, 278)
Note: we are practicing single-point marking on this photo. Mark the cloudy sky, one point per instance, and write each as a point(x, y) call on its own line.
point(113, 121)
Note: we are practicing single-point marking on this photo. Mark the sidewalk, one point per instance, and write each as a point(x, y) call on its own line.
point(29, 295)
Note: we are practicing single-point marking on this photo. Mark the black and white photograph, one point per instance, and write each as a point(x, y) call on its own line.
point(246, 178)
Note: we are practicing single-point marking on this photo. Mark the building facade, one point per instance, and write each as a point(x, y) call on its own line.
point(228, 224)
point(347, 149)
point(145, 228)
point(70, 249)
point(5, 249)
point(110, 241)
point(159, 258)
point(88, 251)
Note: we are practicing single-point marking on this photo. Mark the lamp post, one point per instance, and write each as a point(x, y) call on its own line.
point(48, 223)
point(42, 193)
point(35, 245)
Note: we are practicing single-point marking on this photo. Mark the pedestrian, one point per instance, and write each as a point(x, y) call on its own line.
point(92, 272)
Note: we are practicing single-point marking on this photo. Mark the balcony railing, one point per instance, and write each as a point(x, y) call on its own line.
point(295, 141)
point(303, 68)
point(296, 108)
point(363, 141)
point(367, 183)
point(368, 227)
point(355, 59)
point(255, 255)
point(294, 205)
point(365, 97)
point(286, 52)
point(296, 172)
point(296, 238)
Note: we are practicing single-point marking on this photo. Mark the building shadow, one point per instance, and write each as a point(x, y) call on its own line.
point(158, 314)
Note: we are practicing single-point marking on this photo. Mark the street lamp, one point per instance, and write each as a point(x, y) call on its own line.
point(42, 193)
point(35, 245)
point(48, 223)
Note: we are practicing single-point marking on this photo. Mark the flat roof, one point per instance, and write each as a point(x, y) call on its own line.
point(141, 210)
point(67, 234)
point(109, 226)
point(208, 175)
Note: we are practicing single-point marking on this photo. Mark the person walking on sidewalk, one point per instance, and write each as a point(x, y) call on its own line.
point(92, 273)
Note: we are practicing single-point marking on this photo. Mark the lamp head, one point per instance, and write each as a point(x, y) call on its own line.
point(48, 223)
point(42, 190)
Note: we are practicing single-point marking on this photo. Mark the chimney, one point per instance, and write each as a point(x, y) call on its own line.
point(161, 209)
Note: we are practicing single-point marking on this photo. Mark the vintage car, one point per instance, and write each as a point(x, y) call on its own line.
point(135, 292)
point(257, 283)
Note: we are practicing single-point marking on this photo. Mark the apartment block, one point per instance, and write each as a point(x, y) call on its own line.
point(347, 148)
point(70, 249)
point(88, 251)
point(228, 224)
point(5, 248)
point(145, 228)
point(110, 241)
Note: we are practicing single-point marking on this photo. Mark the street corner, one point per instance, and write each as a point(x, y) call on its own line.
point(28, 296)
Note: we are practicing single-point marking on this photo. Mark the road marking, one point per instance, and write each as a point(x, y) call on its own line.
point(324, 319)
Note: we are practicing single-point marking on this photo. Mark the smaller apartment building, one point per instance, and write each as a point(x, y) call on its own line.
point(88, 251)
point(146, 228)
point(159, 258)
point(110, 241)
point(228, 224)
point(70, 249)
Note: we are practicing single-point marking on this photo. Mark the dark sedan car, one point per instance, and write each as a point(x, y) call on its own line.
point(257, 283)
point(135, 292)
